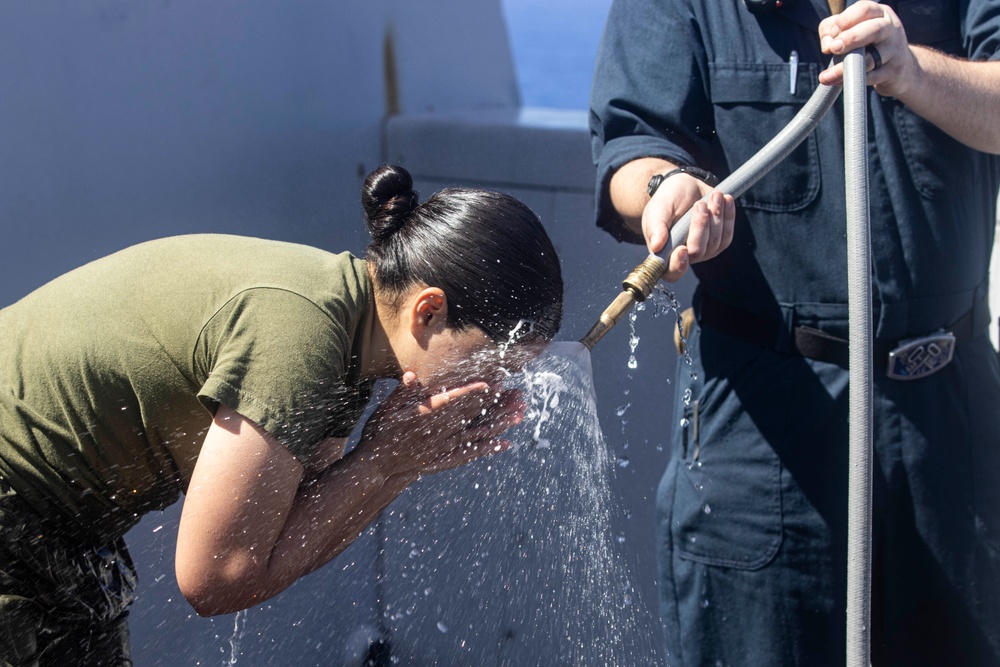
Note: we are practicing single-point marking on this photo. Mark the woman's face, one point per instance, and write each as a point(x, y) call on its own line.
point(457, 357)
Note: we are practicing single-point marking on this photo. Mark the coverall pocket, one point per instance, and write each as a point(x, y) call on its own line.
point(938, 164)
point(726, 508)
point(752, 102)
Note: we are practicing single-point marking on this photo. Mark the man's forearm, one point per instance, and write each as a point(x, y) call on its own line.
point(628, 188)
point(959, 96)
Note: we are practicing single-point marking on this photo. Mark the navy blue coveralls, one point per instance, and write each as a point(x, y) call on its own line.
point(752, 513)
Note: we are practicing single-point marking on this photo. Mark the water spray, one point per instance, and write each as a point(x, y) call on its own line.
point(639, 284)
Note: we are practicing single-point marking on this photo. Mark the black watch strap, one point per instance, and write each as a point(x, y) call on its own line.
point(700, 174)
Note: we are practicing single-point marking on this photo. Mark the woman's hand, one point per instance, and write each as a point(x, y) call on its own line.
point(416, 432)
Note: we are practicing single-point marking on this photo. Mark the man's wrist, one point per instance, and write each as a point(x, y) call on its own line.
point(701, 174)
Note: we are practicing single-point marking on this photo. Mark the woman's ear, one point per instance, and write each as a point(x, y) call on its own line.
point(428, 313)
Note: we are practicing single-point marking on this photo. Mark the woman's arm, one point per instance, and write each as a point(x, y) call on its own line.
point(252, 522)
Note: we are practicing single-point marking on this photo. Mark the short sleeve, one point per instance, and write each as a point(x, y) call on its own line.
point(981, 29)
point(283, 362)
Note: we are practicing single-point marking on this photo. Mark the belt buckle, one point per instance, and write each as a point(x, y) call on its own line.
point(919, 357)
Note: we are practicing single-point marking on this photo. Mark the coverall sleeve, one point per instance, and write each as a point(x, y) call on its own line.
point(648, 97)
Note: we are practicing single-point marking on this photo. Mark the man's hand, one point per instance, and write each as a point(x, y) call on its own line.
point(876, 25)
point(712, 220)
point(959, 96)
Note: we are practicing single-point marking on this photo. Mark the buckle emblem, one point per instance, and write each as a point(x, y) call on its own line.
point(919, 357)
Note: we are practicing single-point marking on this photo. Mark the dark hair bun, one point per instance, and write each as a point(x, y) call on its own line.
point(388, 198)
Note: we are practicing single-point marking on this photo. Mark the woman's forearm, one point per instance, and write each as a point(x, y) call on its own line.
point(330, 511)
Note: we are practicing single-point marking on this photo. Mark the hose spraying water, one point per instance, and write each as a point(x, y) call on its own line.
point(639, 284)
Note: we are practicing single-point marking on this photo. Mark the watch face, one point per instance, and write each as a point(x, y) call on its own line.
point(654, 183)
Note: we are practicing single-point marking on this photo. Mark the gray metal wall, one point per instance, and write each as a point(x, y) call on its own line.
point(124, 121)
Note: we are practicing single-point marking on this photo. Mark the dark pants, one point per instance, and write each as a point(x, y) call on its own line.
point(60, 603)
point(752, 511)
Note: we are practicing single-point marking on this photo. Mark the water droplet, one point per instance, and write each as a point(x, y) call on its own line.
point(704, 604)
point(428, 591)
point(632, 363)
point(442, 627)
point(685, 422)
point(706, 509)
point(621, 538)
point(623, 462)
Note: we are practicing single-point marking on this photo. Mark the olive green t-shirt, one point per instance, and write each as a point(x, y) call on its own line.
point(109, 375)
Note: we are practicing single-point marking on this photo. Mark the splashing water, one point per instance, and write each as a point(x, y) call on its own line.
point(529, 530)
point(522, 328)
point(665, 302)
point(633, 340)
point(239, 629)
point(542, 390)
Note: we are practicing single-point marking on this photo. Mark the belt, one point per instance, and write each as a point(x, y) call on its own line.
point(907, 359)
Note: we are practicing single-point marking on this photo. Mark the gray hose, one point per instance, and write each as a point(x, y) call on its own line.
point(766, 158)
point(860, 413)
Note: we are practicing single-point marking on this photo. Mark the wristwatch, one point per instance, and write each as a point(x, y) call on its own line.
point(700, 174)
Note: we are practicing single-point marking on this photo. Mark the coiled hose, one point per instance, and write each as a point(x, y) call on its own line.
point(859, 360)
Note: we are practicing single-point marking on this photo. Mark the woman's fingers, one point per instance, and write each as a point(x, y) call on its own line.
point(427, 433)
point(461, 396)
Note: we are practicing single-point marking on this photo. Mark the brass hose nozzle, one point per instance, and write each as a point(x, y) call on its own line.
point(635, 288)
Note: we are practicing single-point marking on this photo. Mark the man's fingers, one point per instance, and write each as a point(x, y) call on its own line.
point(677, 264)
point(729, 220)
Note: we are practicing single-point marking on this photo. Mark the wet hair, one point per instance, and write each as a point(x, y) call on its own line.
point(486, 250)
